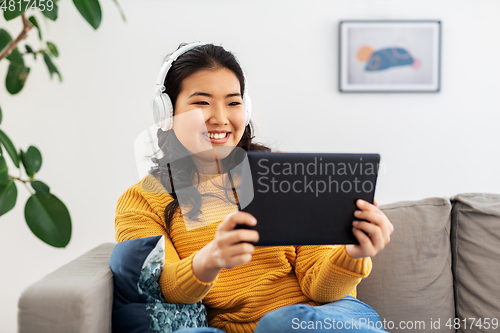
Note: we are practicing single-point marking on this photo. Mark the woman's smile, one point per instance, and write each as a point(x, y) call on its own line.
point(216, 137)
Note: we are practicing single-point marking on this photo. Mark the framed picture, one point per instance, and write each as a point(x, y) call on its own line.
point(389, 56)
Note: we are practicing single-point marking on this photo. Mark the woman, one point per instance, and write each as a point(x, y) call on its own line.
point(266, 289)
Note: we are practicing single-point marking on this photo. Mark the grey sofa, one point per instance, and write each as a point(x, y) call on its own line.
point(440, 273)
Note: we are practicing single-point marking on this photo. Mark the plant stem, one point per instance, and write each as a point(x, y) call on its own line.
point(28, 188)
point(24, 33)
point(23, 181)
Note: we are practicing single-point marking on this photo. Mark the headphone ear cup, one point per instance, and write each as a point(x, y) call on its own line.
point(158, 111)
point(169, 112)
point(247, 104)
point(163, 112)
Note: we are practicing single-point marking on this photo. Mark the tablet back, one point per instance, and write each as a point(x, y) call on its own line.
point(307, 198)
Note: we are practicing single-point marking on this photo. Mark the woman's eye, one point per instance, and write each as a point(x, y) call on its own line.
point(235, 103)
point(201, 103)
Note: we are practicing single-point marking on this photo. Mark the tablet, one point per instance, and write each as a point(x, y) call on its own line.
point(307, 198)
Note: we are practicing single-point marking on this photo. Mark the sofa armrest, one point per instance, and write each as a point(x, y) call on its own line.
point(77, 297)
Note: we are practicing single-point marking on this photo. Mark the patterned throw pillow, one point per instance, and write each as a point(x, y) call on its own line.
point(138, 304)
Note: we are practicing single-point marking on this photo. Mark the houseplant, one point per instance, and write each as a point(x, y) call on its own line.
point(46, 215)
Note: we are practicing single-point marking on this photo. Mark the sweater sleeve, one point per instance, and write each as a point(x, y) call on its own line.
point(328, 273)
point(139, 214)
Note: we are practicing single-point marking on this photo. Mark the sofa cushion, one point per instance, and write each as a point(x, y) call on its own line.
point(138, 304)
point(475, 237)
point(411, 283)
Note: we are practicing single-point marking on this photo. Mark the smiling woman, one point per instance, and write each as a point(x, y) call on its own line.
point(244, 288)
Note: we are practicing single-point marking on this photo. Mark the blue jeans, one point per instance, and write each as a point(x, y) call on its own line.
point(346, 315)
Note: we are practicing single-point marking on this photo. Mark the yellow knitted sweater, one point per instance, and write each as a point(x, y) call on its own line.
point(239, 297)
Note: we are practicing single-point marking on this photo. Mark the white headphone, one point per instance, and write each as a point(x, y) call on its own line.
point(163, 110)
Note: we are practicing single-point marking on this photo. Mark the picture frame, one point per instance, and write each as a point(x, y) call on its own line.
point(390, 56)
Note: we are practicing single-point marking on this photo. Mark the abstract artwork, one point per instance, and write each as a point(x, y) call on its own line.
point(389, 56)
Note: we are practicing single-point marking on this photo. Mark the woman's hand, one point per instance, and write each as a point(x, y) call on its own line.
point(379, 231)
point(230, 247)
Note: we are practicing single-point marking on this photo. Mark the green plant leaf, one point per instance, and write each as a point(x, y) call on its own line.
point(121, 11)
point(33, 21)
point(50, 65)
point(19, 8)
point(49, 219)
point(5, 39)
point(40, 187)
point(16, 77)
point(51, 13)
point(4, 139)
point(30, 50)
point(1, 116)
point(4, 172)
point(53, 49)
point(16, 57)
point(8, 196)
point(32, 161)
point(90, 10)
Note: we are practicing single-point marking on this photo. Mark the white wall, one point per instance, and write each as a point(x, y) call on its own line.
point(432, 144)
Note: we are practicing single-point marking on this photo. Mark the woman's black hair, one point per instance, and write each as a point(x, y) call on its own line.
point(174, 167)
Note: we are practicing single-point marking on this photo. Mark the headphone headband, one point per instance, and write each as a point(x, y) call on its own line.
point(160, 81)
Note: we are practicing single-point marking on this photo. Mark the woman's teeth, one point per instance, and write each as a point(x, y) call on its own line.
point(216, 135)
